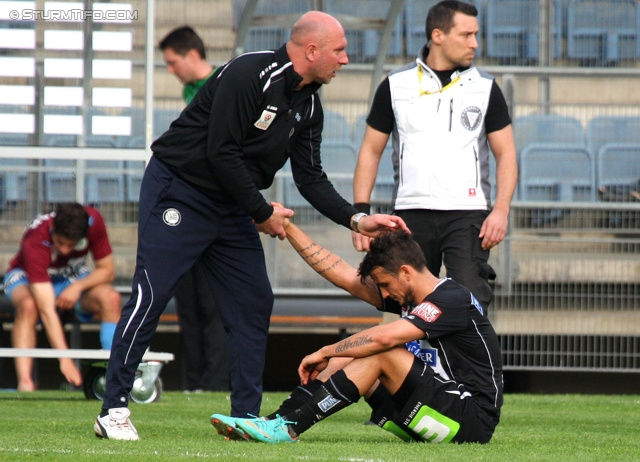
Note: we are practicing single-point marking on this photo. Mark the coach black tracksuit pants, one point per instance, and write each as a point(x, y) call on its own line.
point(177, 226)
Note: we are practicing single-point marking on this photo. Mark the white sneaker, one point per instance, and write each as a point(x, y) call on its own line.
point(116, 425)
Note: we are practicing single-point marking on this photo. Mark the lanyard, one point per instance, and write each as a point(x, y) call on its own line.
point(423, 92)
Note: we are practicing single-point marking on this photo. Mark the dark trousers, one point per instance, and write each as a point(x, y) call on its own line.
point(179, 225)
point(204, 364)
point(451, 237)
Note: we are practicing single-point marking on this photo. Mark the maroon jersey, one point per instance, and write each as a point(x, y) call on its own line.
point(39, 259)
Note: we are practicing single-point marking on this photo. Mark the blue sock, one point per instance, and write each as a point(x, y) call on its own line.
point(107, 329)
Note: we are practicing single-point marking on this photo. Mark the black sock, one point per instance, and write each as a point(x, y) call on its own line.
point(296, 399)
point(382, 406)
point(335, 394)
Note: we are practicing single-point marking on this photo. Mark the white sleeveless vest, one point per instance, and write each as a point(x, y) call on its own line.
point(440, 153)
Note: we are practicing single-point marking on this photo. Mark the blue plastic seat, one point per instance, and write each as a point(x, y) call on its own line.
point(362, 43)
point(14, 178)
point(383, 190)
point(512, 30)
point(162, 118)
point(559, 27)
point(338, 162)
point(133, 179)
point(618, 168)
point(60, 184)
point(558, 173)
point(104, 181)
point(137, 137)
point(547, 128)
point(335, 129)
point(602, 130)
point(269, 37)
point(602, 32)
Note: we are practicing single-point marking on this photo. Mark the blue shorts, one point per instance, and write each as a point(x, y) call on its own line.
point(17, 277)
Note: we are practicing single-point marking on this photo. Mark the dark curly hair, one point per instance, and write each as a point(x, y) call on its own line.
point(71, 220)
point(390, 251)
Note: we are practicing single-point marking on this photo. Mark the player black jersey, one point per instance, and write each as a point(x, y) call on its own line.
point(460, 343)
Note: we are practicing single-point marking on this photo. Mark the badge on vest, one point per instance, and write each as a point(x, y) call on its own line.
point(265, 120)
point(471, 118)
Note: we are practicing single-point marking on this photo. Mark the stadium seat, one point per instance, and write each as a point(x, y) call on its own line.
point(338, 162)
point(602, 130)
point(363, 43)
point(512, 31)
point(133, 179)
point(618, 170)
point(384, 189)
point(336, 128)
point(59, 177)
point(559, 27)
point(269, 37)
point(59, 180)
point(385, 181)
point(547, 128)
point(557, 173)
point(415, 20)
point(137, 137)
point(14, 179)
point(602, 32)
point(162, 118)
point(104, 181)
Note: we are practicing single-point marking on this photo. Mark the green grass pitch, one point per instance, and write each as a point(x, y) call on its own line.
point(58, 425)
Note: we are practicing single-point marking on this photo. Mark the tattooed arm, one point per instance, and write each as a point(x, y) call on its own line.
point(331, 266)
point(366, 343)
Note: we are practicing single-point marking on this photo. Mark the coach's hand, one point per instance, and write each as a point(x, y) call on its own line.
point(372, 225)
point(274, 225)
point(360, 243)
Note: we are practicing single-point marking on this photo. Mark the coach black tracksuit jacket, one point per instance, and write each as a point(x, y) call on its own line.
point(241, 127)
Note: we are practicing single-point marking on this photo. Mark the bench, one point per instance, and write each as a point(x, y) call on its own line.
point(147, 386)
point(295, 312)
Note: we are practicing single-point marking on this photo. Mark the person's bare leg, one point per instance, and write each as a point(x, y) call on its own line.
point(23, 335)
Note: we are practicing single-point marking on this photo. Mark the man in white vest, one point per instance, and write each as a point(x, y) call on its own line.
point(443, 115)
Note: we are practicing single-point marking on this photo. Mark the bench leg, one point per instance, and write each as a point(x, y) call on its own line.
point(147, 386)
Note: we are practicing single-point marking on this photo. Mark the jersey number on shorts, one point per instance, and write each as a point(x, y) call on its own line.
point(433, 427)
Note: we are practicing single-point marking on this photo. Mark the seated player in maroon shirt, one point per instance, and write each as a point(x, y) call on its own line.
point(49, 276)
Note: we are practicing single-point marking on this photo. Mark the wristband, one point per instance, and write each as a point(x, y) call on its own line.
point(362, 207)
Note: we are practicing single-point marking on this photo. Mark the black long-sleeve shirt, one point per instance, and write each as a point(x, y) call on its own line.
point(240, 129)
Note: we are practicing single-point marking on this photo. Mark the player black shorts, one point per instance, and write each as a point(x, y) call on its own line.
point(427, 408)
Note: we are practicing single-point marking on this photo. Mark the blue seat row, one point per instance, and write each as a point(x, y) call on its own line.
point(590, 31)
point(560, 161)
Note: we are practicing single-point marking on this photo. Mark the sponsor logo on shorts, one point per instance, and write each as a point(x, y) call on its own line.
point(171, 217)
point(427, 311)
point(328, 403)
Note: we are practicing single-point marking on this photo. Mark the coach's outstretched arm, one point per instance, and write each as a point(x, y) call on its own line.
point(331, 266)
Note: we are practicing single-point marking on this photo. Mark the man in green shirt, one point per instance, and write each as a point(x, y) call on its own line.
point(203, 340)
point(183, 52)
